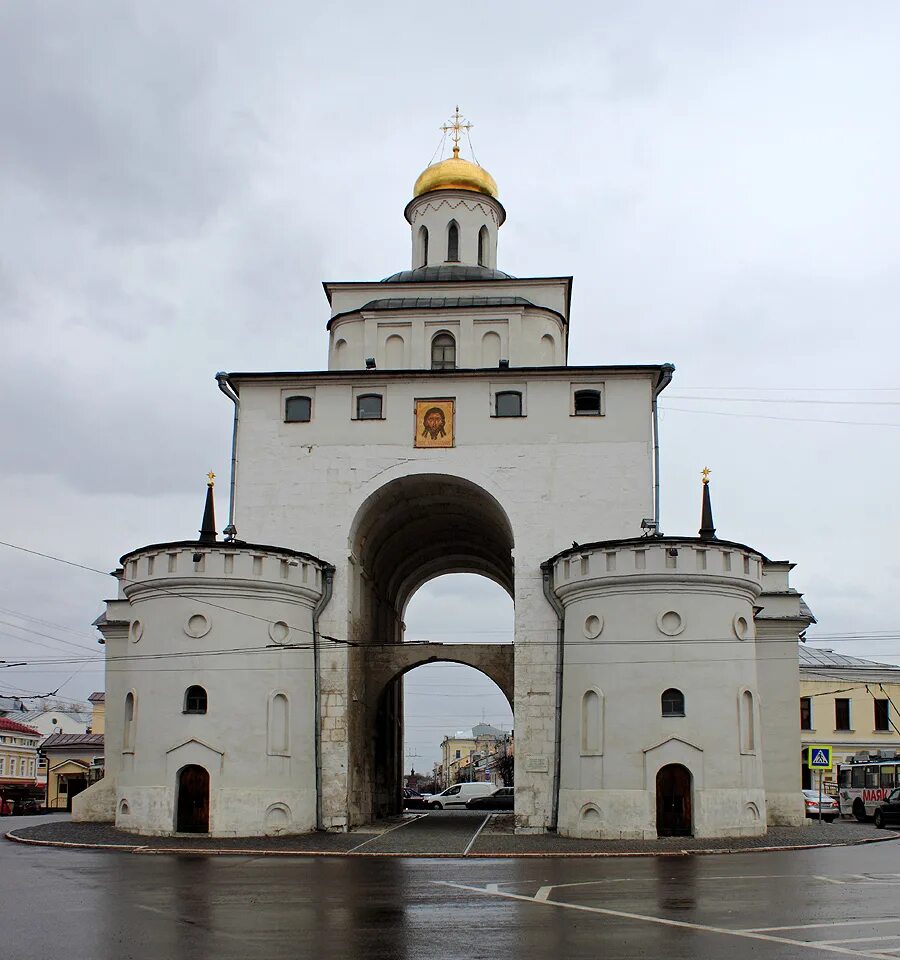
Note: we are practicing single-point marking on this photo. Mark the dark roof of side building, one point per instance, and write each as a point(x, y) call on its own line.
point(827, 663)
point(73, 740)
point(98, 696)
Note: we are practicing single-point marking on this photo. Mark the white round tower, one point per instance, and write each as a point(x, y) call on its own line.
point(211, 686)
point(660, 723)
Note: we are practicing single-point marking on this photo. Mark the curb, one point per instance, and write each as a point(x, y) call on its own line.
point(556, 855)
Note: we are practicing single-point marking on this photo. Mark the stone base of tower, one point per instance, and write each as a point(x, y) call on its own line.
point(97, 804)
point(786, 809)
point(632, 814)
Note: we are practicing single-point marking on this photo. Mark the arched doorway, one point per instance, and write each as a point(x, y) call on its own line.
point(673, 801)
point(411, 531)
point(193, 800)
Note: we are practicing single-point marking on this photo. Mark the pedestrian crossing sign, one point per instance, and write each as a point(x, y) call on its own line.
point(819, 757)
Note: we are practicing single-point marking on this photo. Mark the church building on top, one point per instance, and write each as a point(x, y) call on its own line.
point(653, 678)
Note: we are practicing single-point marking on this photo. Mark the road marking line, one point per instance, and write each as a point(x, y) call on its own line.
point(893, 936)
point(543, 893)
point(384, 833)
point(662, 921)
point(477, 833)
point(830, 880)
point(835, 923)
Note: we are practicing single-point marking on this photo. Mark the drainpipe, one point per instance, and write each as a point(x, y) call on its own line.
point(227, 388)
point(665, 378)
point(553, 600)
point(321, 604)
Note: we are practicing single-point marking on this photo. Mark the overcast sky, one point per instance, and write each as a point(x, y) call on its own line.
point(176, 180)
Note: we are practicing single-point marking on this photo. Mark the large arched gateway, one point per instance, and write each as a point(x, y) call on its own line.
point(411, 530)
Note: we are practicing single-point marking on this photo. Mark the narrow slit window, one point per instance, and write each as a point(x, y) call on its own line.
point(453, 241)
point(508, 403)
point(482, 247)
point(423, 239)
point(369, 406)
point(587, 403)
point(443, 352)
point(297, 410)
point(195, 700)
point(672, 703)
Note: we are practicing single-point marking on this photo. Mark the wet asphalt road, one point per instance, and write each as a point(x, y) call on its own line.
point(94, 905)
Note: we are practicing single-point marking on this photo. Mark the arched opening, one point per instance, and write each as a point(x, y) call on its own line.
point(483, 241)
point(673, 801)
point(195, 700)
point(453, 241)
point(672, 703)
point(393, 351)
point(192, 803)
point(130, 707)
point(409, 535)
point(748, 734)
point(443, 351)
point(423, 246)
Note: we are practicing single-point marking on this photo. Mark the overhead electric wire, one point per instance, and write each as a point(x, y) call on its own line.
point(180, 596)
point(763, 416)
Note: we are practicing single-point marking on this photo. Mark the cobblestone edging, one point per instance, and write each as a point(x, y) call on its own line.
point(490, 844)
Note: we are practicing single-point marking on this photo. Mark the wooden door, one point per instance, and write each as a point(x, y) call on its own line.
point(193, 800)
point(673, 801)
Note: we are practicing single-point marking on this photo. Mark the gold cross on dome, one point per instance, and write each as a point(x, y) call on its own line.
point(210, 479)
point(706, 472)
point(454, 126)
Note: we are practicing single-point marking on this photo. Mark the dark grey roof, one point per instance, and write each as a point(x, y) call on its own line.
point(817, 663)
point(451, 272)
point(418, 303)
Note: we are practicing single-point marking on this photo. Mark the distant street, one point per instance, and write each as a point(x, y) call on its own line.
point(93, 905)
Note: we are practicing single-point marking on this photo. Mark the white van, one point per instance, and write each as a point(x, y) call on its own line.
point(455, 797)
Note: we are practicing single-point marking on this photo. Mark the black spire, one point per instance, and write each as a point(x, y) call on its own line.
point(707, 530)
point(208, 527)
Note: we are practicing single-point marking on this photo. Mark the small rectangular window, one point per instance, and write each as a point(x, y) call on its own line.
point(887, 776)
point(858, 777)
point(881, 715)
point(806, 713)
point(841, 713)
point(297, 410)
point(369, 406)
point(872, 777)
point(587, 403)
point(508, 403)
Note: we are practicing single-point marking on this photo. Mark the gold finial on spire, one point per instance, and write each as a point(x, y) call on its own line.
point(454, 126)
point(706, 472)
point(210, 479)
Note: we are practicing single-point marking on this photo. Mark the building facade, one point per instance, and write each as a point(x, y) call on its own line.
point(848, 703)
point(18, 763)
point(450, 434)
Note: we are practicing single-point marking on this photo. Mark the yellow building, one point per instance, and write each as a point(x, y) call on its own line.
point(850, 704)
point(74, 761)
point(18, 763)
point(97, 701)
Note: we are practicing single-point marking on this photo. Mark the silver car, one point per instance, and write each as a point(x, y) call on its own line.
point(830, 809)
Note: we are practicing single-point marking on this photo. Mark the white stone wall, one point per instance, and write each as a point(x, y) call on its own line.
point(640, 618)
point(470, 211)
point(557, 477)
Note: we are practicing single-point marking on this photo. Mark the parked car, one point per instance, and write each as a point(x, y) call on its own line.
point(830, 809)
point(501, 799)
point(455, 797)
point(888, 811)
point(413, 800)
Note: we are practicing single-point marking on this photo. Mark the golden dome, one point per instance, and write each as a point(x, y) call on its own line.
point(455, 174)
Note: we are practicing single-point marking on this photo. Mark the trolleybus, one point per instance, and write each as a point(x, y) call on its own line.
point(864, 782)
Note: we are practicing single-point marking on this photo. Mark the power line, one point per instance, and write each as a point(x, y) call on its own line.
point(172, 593)
point(763, 416)
point(836, 403)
